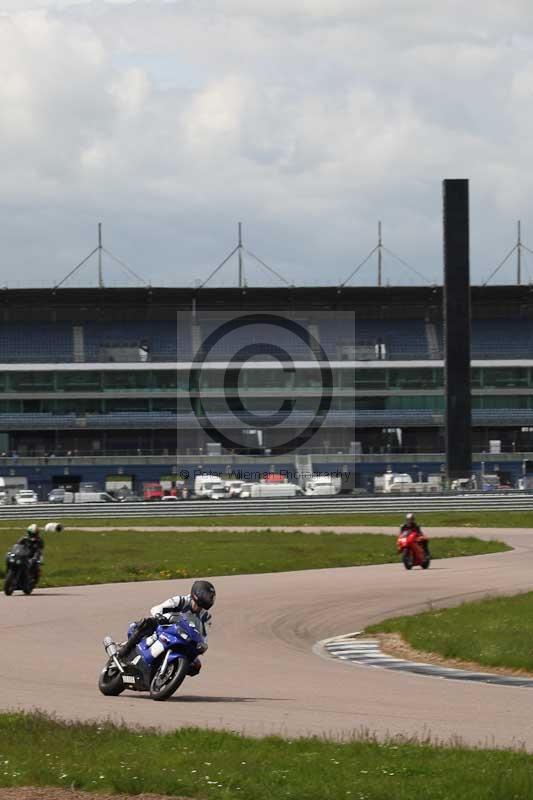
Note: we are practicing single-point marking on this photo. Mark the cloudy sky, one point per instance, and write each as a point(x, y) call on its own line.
point(170, 121)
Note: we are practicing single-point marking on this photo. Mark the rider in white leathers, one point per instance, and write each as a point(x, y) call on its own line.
point(201, 598)
point(182, 602)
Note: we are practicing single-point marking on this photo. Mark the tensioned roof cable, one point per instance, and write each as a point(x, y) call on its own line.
point(75, 269)
point(416, 272)
point(219, 267)
point(509, 254)
point(356, 270)
point(122, 264)
point(273, 271)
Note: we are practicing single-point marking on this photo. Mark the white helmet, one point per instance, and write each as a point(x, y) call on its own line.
point(410, 517)
point(33, 530)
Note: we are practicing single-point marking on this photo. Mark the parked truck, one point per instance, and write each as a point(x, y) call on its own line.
point(402, 483)
point(171, 486)
point(156, 490)
point(152, 490)
point(209, 486)
point(392, 482)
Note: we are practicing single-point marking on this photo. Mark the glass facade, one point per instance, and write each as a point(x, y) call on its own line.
point(433, 378)
point(252, 380)
point(358, 393)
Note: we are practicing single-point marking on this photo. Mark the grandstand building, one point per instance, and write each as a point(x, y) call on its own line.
point(141, 382)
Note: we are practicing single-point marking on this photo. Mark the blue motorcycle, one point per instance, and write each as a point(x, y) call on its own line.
point(160, 662)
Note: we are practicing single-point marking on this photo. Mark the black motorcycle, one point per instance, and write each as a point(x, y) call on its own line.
point(21, 570)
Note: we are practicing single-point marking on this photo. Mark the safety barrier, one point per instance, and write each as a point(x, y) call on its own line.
point(368, 504)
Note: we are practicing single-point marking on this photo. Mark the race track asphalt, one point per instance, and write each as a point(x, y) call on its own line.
point(260, 674)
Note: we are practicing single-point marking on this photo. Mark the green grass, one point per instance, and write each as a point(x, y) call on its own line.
point(77, 557)
point(495, 633)
point(457, 519)
point(36, 751)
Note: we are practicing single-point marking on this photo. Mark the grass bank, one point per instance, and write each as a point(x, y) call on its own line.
point(36, 751)
point(78, 557)
point(494, 633)
point(453, 519)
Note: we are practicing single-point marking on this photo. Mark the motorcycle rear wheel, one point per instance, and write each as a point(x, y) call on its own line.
point(10, 583)
point(110, 681)
point(163, 686)
point(407, 559)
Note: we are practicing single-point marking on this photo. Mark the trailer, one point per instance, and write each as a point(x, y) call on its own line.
point(273, 490)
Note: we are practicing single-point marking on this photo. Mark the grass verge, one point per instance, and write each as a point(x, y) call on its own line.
point(454, 519)
point(37, 751)
point(77, 557)
point(495, 632)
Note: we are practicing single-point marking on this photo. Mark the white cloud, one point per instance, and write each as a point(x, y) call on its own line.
point(307, 120)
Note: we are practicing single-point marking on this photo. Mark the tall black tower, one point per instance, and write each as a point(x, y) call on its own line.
point(456, 313)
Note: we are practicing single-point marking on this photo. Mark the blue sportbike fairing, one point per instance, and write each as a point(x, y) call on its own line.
point(160, 662)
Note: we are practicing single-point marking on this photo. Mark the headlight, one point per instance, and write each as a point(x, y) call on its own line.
point(184, 636)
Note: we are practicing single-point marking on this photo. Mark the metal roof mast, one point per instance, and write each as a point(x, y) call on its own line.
point(380, 249)
point(240, 249)
point(519, 246)
point(100, 249)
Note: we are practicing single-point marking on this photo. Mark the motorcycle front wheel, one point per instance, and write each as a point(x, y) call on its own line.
point(407, 559)
point(10, 582)
point(29, 585)
point(164, 685)
point(110, 681)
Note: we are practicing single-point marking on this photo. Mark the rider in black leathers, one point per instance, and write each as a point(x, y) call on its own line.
point(34, 544)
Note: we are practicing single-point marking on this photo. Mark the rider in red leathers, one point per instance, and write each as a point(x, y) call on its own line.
point(411, 524)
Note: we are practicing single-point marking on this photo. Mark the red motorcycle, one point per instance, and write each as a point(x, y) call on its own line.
point(412, 551)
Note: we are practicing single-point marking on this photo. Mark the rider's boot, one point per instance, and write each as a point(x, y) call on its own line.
point(144, 628)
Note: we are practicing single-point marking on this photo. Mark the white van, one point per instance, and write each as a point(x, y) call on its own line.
point(205, 485)
point(273, 490)
point(234, 487)
point(396, 481)
point(322, 487)
point(245, 491)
